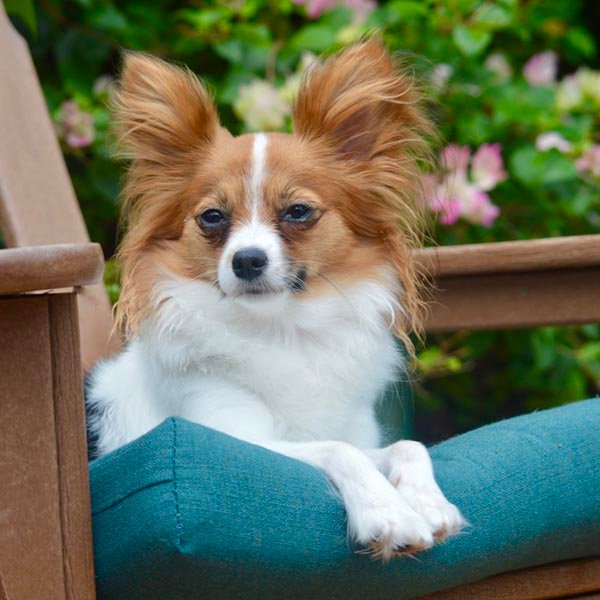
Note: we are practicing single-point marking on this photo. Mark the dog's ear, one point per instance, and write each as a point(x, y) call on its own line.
point(358, 103)
point(161, 112)
point(165, 122)
point(365, 112)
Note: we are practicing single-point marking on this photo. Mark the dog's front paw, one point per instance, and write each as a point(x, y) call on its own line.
point(390, 529)
point(411, 473)
point(443, 518)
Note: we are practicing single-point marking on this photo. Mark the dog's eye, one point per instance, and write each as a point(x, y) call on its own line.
point(212, 218)
point(297, 212)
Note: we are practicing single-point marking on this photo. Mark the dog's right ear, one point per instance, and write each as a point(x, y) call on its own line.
point(162, 112)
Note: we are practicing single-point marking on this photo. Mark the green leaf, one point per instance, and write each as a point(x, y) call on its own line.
point(403, 10)
point(24, 10)
point(582, 42)
point(205, 19)
point(469, 40)
point(316, 38)
point(108, 18)
point(535, 168)
point(80, 56)
point(493, 16)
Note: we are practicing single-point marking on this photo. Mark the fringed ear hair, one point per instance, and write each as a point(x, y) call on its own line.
point(365, 112)
point(165, 121)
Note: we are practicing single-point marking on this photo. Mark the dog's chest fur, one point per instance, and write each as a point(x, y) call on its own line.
point(316, 370)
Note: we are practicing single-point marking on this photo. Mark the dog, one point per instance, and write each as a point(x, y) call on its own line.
point(265, 275)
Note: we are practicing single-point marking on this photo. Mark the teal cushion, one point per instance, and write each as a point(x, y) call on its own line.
point(187, 512)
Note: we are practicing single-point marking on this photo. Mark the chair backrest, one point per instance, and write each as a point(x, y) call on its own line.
point(37, 202)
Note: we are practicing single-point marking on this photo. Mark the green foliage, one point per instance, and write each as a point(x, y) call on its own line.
point(470, 55)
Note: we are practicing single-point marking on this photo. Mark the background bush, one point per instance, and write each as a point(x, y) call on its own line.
point(517, 95)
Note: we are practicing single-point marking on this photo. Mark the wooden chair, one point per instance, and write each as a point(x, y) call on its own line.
point(55, 317)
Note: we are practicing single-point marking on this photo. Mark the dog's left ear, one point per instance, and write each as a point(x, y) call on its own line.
point(366, 114)
point(359, 104)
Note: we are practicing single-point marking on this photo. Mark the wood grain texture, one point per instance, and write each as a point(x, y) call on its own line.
point(30, 528)
point(49, 267)
point(515, 300)
point(3, 595)
point(547, 582)
point(548, 254)
point(37, 202)
point(75, 509)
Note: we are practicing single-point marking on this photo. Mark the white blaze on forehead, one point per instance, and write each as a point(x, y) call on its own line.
point(255, 233)
point(259, 157)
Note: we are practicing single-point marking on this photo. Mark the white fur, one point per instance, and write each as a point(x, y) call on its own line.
point(259, 159)
point(298, 375)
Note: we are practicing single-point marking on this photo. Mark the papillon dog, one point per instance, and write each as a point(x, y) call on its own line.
point(266, 276)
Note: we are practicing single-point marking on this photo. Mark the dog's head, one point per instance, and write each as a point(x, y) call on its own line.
point(273, 215)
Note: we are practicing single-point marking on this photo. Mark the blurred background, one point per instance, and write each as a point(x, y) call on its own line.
point(514, 87)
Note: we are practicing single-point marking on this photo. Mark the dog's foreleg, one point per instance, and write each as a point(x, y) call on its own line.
point(378, 516)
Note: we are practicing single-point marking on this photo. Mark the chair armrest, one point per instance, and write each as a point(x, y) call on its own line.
point(38, 268)
point(510, 285)
point(574, 252)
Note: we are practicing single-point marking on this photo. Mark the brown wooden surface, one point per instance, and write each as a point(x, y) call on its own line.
point(548, 254)
point(49, 267)
point(3, 595)
point(547, 582)
point(30, 528)
point(71, 448)
point(517, 300)
point(37, 201)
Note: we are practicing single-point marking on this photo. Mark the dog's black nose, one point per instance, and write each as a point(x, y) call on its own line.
point(249, 263)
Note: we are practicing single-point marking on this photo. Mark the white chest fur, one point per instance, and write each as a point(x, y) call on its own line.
point(293, 370)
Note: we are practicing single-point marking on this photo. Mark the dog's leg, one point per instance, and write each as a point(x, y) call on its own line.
point(378, 517)
point(408, 467)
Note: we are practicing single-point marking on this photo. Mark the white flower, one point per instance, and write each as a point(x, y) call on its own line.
point(289, 90)
point(497, 64)
point(589, 83)
point(440, 76)
point(261, 107)
point(569, 94)
point(552, 139)
point(105, 84)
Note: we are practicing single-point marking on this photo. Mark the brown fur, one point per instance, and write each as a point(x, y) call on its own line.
point(359, 142)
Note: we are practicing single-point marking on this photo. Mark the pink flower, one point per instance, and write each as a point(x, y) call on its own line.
point(436, 195)
point(478, 208)
point(487, 167)
point(456, 195)
point(590, 161)
point(456, 158)
point(552, 139)
point(74, 125)
point(361, 8)
point(541, 68)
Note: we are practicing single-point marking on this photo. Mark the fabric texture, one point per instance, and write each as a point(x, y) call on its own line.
point(186, 512)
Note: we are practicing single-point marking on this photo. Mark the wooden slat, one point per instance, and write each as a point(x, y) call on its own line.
point(547, 582)
point(3, 595)
point(49, 267)
point(548, 254)
point(71, 447)
point(30, 527)
point(37, 202)
point(516, 300)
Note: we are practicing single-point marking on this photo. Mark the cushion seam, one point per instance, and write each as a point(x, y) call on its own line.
point(178, 527)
